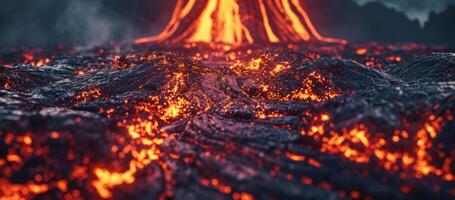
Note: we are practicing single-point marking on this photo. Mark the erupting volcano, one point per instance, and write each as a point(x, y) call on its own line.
point(237, 22)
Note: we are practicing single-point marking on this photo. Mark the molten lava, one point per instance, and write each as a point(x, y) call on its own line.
point(235, 22)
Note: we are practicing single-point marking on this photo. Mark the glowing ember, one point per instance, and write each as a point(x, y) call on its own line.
point(91, 94)
point(362, 146)
point(313, 81)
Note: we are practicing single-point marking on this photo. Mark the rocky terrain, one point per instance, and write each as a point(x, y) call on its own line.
point(357, 121)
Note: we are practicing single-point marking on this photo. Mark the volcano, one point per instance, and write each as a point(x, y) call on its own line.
point(282, 113)
point(235, 23)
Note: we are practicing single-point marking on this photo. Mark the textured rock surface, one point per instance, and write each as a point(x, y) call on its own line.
point(230, 131)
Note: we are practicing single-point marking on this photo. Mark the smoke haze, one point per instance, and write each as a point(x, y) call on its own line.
point(79, 22)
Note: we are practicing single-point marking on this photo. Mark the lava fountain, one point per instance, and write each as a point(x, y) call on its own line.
point(234, 22)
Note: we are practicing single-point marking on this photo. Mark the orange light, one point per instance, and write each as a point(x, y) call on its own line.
point(243, 196)
point(361, 51)
point(225, 22)
point(325, 117)
point(55, 135)
point(358, 144)
point(294, 157)
point(107, 180)
point(307, 91)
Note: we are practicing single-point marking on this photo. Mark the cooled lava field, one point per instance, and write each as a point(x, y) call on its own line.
point(297, 121)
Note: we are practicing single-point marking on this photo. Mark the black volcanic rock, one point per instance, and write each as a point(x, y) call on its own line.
point(348, 74)
point(436, 67)
point(221, 130)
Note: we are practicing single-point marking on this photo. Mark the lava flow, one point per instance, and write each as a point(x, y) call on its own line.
point(272, 116)
point(235, 23)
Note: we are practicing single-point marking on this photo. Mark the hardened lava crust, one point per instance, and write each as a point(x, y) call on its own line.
point(355, 121)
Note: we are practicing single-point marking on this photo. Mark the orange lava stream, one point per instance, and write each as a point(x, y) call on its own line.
point(234, 22)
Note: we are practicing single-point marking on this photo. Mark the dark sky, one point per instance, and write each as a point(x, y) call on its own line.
point(92, 22)
point(415, 9)
point(43, 22)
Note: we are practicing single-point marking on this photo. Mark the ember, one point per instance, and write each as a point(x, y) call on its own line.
point(270, 115)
